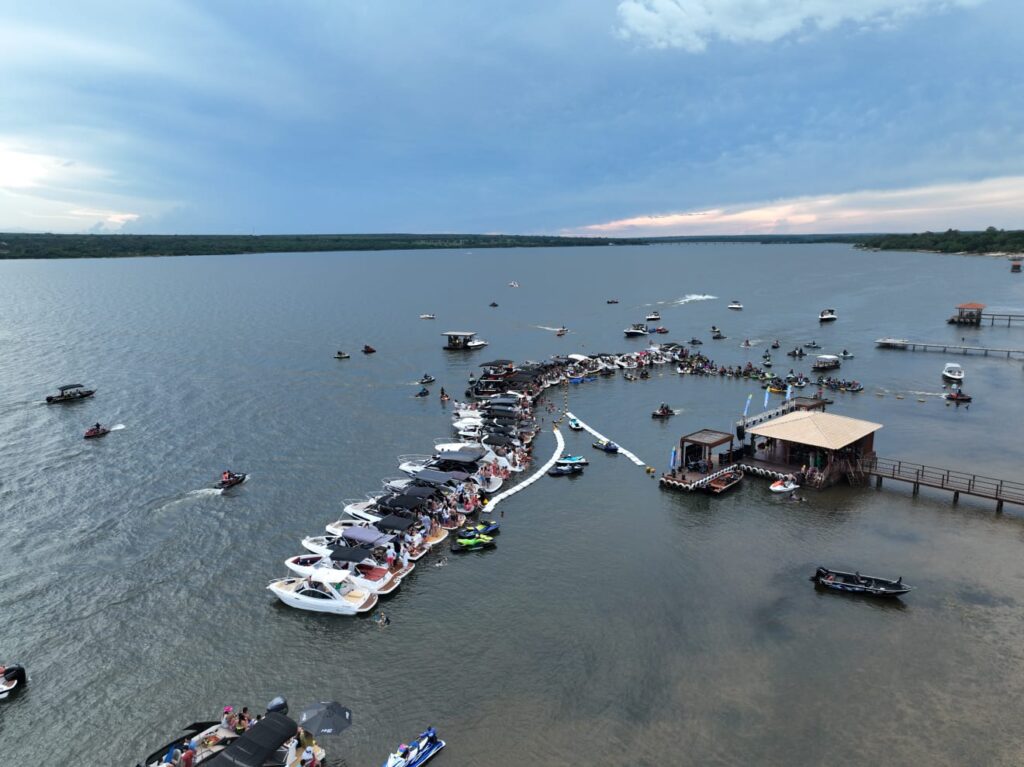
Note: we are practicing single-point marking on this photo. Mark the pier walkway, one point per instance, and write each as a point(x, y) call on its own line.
point(945, 348)
point(597, 434)
point(998, 490)
point(559, 447)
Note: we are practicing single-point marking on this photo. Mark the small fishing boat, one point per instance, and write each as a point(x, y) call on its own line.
point(663, 411)
point(575, 425)
point(855, 583)
point(428, 317)
point(419, 752)
point(572, 460)
point(69, 393)
point(472, 543)
point(725, 481)
point(340, 355)
point(636, 329)
point(367, 349)
point(612, 301)
point(654, 317)
point(606, 445)
point(229, 479)
point(96, 431)
point(13, 679)
point(427, 379)
point(784, 485)
point(846, 355)
point(735, 305)
point(953, 372)
point(958, 396)
point(324, 591)
point(661, 329)
point(827, 315)
point(565, 470)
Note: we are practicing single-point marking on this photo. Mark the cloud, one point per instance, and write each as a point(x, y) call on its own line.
point(967, 205)
point(692, 24)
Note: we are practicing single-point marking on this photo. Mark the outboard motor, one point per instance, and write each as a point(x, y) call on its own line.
point(278, 705)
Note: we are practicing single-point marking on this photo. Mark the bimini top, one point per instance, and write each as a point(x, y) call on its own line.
point(496, 363)
point(826, 430)
point(366, 535)
point(419, 492)
point(459, 333)
point(350, 554)
point(66, 387)
point(394, 522)
point(827, 357)
point(258, 744)
point(407, 502)
point(463, 456)
point(435, 477)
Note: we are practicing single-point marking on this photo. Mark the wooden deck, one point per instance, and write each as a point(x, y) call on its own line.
point(998, 490)
point(945, 348)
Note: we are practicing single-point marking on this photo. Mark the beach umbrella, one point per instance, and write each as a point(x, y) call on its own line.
point(325, 718)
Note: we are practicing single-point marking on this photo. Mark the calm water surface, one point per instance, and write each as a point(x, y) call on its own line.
point(614, 620)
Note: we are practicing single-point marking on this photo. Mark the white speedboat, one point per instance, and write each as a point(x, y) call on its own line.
point(636, 329)
point(428, 317)
point(654, 317)
point(363, 570)
point(324, 591)
point(827, 315)
point(513, 284)
point(476, 343)
point(735, 305)
point(953, 372)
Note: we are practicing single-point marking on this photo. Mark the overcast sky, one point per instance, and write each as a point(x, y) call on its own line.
point(536, 116)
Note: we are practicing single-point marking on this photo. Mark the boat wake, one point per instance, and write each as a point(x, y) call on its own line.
point(205, 491)
point(926, 393)
point(545, 327)
point(689, 298)
point(118, 427)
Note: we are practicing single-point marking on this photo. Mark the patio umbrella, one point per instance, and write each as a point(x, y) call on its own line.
point(325, 718)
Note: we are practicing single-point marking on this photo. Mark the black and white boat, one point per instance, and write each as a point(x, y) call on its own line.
point(827, 315)
point(69, 393)
point(12, 679)
point(855, 583)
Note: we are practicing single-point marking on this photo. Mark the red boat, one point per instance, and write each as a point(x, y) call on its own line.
point(96, 431)
point(661, 329)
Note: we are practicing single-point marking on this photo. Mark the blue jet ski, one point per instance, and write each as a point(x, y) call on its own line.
point(572, 460)
point(607, 446)
point(418, 752)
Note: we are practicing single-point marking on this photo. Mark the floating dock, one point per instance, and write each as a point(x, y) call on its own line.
point(945, 348)
point(597, 434)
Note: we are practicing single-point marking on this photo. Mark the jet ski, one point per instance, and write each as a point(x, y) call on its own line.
point(775, 344)
point(786, 485)
point(96, 431)
point(427, 379)
point(490, 527)
point(419, 752)
point(663, 412)
point(232, 479)
point(958, 396)
point(562, 331)
point(607, 446)
point(472, 543)
point(493, 304)
point(846, 355)
point(342, 355)
point(812, 345)
point(645, 373)
point(13, 679)
point(367, 349)
point(575, 425)
point(572, 460)
point(424, 392)
point(718, 335)
point(565, 470)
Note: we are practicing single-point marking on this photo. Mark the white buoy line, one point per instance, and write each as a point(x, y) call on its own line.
point(597, 434)
point(559, 447)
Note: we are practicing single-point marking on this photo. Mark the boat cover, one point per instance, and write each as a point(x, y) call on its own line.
point(420, 492)
point(463, 456)
point(258, 744)
point(65, 387)
point(435, 477)
point(402, 502)
point(366, 535)
point(395, 522)
point(350, 554)
point(496, 363)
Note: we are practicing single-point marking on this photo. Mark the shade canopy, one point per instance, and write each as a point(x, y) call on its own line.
point(402, 502)
point(395, 522)
point(366, 535)
point(65, 387)
point(257, 744)
point(350, 554)
point(971, 306)
point(708, 438)
point(325, 718)
point(435, 477)
point(825, 430)
point(459, 333)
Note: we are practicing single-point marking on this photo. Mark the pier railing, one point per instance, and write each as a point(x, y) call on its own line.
point(944, 479)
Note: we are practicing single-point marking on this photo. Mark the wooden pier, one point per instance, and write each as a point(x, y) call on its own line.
point(974, 314)
point(998, 490)
point(945, 348)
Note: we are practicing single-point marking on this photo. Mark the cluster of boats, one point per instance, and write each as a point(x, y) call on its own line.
point(366, 553)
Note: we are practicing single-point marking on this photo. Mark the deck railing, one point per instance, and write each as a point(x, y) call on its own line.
point(945, 479)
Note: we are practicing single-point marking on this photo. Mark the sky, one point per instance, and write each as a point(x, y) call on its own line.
point(582, 117)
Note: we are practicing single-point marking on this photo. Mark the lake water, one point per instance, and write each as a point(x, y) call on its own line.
point(614, 624)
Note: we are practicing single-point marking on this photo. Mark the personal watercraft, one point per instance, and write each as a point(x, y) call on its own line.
point(473, 543)
point(230, 480)
point(419, 752)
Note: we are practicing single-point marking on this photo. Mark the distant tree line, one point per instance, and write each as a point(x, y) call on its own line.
point(134, 245)
point(992, 240)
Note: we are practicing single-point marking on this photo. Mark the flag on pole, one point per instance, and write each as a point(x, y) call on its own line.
point(789, 392)
point(766, 393)
point(672, 460)
point(746, 408)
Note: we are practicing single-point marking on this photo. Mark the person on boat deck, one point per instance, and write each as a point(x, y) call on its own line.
point(188, 755)
point(227, 722)
point(308, 758)
point(225, 476)
point(242, 723)
point(97, 427)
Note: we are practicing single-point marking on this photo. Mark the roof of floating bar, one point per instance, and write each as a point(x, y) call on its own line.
point(827, 430)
